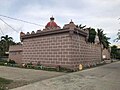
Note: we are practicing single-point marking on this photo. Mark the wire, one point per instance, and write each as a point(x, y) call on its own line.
point(8, 25)
point(1, 31)
point(21, 20)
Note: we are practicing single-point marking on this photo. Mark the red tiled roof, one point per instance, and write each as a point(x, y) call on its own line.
point(51, 24)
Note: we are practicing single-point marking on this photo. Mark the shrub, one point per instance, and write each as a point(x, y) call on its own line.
point(1, 63)
point(4, 61)
point(30, 66)
point(39, 67)
point(12, 61)
point(29, 63)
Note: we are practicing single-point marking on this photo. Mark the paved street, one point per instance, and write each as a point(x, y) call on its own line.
point(105, 77)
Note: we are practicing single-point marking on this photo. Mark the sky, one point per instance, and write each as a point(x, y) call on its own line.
point(103, 14)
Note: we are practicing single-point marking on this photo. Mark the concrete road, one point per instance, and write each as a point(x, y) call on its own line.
point(105, 77)
point(30, 75)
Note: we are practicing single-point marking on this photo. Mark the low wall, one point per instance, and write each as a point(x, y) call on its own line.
point(15, 53)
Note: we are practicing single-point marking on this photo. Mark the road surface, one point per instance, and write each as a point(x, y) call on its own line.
point(31, 75)
point(105, 77)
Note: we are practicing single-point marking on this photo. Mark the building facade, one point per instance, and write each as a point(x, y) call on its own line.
point(106, 54)
point(67, 47)
point(15, 53)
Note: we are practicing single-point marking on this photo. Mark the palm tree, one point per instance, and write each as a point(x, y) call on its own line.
point(118, 36)
point(92, 35)
point(103, 39)
point(1, 49)
point(6, 42)
point(104, 43)
point(114, 51)
point(81, 26)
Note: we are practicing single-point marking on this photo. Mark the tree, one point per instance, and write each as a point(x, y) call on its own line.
point(114, 52)
point(92, 35)
point(118, 36)
point(5, 42)
point(103, 38)
point(1, 49)
point(81, 26)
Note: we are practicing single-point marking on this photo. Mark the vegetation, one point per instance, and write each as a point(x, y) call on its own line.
point(92, 35)
point(4, 83)
point(11, 61)
point(5, 42)
point(81, 26)
point(8, 63)
point(92, 32)
point(103, 38)
point(118, 36)
point(2, 62)
point(114, 52)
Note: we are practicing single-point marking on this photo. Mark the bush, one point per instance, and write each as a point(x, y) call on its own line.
point(30, 66)
point(1, 63)
point(30, 63)
point(4, 61)
point(38, 67)
point(49, 69)
point(12, 61)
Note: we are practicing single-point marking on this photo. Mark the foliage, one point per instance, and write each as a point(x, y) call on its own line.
point(12, 61)
point(118, 36)
point(30, 63)
point(114, 52)
point(2, 62)
point(92, 35)
point(103, 38)
point(81, 27)
point(5, 42)
point(4, 83)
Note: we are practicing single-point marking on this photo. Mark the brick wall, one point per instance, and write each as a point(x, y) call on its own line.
point(83, 52)
point(51, 50)
point(106, 54)
point(15, 53)
point(66, 49)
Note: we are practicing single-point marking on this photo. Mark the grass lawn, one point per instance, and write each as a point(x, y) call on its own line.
point(4, 83)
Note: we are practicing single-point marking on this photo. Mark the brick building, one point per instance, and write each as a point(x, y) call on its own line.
point(15, 53)
point(106, 54)
point(53, 46)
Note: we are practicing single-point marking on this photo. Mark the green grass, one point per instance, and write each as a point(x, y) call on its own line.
point(4, 83)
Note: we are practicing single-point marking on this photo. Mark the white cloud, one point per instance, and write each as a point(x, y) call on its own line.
point(95, 13)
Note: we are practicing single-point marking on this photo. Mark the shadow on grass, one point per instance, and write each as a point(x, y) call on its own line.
point(4, 83)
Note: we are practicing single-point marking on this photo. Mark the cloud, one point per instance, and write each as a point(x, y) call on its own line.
point(93, 13)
